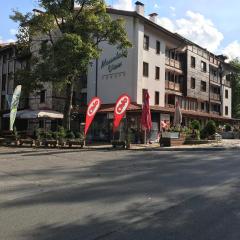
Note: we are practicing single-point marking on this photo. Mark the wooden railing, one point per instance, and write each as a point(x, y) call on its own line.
point(215, 96)
point(173, 86)
point(173, 63)
point(214, 79)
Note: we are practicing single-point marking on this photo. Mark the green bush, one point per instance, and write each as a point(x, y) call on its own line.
point(79, 135)
point(228, 128)
point(195, 124)
point(49, 135)
point(70, 135)
point(55, 135)
point(210, 129)
point(203, 134)
point(61, 132)
point(39, 133)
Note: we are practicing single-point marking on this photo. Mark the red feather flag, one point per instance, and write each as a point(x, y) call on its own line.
point(146, 120)
point(93, 107)
point(120, 109)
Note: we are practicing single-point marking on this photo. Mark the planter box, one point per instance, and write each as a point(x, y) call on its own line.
point(116, 143)
point(75, 142)
point(172, 135)
point(26, 141)
point(170, 139)
point(48, 142)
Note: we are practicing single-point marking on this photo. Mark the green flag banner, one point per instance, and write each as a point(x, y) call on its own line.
point(14, 105)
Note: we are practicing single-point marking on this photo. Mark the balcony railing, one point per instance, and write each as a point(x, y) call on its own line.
point(215, 96)
point(214, 79)
point(215, 113)
point(173, 63)
point(169, 105)
point(227, 83)
point(173, 86)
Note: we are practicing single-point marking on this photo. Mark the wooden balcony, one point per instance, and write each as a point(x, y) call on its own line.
point(215, 113)
point(173, 86)
point(215, 96)
point(215, 79)
point(227, 83)
point(173, 63)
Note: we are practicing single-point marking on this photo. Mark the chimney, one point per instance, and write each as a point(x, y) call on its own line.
point(153, 17)
point(139, 8)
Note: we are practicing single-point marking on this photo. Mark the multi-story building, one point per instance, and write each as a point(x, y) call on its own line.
point(170, 67)
point(8, 66)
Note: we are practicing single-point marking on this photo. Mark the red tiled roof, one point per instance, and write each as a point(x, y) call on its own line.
point(134, 107)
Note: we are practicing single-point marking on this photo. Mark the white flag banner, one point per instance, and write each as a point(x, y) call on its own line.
point(14, 105)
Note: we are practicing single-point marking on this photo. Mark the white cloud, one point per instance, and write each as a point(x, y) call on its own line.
point(6, 41)
point(232, 50)
point(13, 31)
point(167, 23)
point(173, 8)
point(196, 28)
point(123, 5)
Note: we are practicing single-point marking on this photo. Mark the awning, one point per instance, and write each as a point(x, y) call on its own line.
point(34, 114)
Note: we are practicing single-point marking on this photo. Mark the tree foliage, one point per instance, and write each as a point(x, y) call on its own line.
point(235, 81)
point(62, 40)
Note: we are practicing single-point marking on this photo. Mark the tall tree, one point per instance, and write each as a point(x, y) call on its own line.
point(65, 39)
point(235, 81)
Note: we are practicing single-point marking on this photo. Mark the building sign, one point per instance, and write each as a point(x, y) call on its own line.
point(112, 63)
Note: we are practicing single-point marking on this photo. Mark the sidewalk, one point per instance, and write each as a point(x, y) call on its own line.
point(233, 144)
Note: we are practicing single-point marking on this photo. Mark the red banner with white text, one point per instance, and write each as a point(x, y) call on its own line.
point(93, 107)
point(120, 109)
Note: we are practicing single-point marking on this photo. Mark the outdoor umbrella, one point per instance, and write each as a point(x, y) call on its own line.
point(177, 115)
point(146, 120)
point(36, 114)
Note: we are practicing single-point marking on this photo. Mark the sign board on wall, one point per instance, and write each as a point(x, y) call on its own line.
point(112, 67)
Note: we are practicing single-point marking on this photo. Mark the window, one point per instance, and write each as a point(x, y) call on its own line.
point(193, 83)
point(226, 110)
point(43, 96)
point(3, 82)
point(203, 66)
point(193, 62)
point(226, 93)
point(146, 42)
point(202, 106)
point(144, 91)
point(158, 47)
point(145, 69)
point(157, 73)
point(156, 98)
point(203, 86)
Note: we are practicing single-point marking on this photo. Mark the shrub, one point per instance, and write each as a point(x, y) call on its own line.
point(203, 134)
point(39, 133)
point(195, 124)
point(70, 135)
point(55, 135)
point(228, 128)
point(61, 132)
point(210, 128)
point(49, 135)
point(79, 135)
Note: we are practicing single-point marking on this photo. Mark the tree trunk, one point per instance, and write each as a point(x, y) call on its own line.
point(68, 106)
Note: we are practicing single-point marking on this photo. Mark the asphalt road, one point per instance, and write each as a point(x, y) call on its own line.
point(118, 195)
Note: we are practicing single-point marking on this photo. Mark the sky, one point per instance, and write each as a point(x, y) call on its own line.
point(213, 24)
